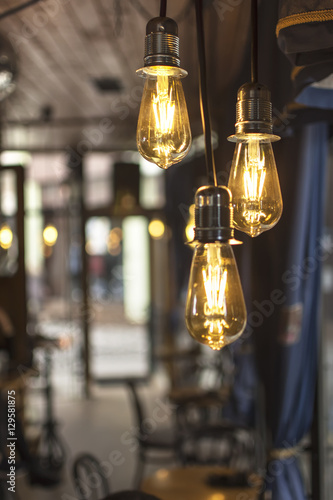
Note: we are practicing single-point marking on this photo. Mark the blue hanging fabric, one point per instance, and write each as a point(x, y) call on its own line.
point(292, 339)
point(305, 35)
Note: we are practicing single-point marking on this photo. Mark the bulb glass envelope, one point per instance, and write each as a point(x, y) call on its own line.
point(254, 183)
point(163, 132)
point(215, 308)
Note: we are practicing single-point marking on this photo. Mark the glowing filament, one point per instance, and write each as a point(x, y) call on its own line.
point(215, 284)
point(254, 179)
point(164, 108)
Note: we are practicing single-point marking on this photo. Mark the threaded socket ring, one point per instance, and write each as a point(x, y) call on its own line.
point(161, 49)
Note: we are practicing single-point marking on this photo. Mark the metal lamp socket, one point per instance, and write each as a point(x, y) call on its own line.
point(162, 43)
point(213, 214)
point(254, 109)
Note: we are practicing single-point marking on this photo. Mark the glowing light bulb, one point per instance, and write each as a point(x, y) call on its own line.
point(215, 308)
point(255, 187)
point(163, 132)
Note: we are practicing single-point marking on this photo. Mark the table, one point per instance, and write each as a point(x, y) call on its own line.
point(190, 483)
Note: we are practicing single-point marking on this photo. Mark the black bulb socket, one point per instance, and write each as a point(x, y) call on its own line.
point(254, 109)
point(213, 214)
point(162, 43)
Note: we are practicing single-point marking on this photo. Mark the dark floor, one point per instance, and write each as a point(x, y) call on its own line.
point(95, 425)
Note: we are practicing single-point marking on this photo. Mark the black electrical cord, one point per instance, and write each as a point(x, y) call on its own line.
point(254, 44)
point(184, 14)
point(204, 105)
point(163, 8)
point(14, 10)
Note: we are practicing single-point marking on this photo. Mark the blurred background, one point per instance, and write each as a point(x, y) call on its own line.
point(94, 264)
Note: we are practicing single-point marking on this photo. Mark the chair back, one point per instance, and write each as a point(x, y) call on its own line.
point(89, 478)
point(138, 410)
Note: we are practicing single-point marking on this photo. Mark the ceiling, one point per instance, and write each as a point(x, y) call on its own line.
point(61, 47)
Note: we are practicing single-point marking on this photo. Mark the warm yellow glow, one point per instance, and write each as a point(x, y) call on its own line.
point(162, 474)
point(89, 248)
point(189, 230)
point(215, 308)
point(114, 240)
point(6, 237)
point(65, 341)
point(156, 229)
point(216, 496)
point(255, 187)
point(163, 106)
point(163, 133)
point(47, 251)
point(50, 235)
point(116, 231)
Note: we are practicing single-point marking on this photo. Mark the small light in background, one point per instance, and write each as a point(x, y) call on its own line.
point(162, 474)
point(217, 496)
point(114, 241)
point(6, 237)
point(50, 235)
point(156, 229)
point(189, 230)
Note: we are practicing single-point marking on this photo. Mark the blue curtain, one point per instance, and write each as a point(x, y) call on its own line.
point(288, 338)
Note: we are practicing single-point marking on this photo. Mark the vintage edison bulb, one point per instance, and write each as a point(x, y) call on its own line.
point(215, 308)
point(163, 133)
point(254, 183)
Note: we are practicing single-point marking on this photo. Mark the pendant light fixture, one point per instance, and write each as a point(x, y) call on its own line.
point(215, 309)
point(163, 131)
point(253, 181)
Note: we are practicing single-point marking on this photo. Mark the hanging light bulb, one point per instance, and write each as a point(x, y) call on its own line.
point(215, 308)
point(163, 132)
point(253, 181)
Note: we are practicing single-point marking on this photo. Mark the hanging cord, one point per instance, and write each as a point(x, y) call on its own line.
point(181, 17)
point(254, 44)
point(163, 8)
point(204, 106)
